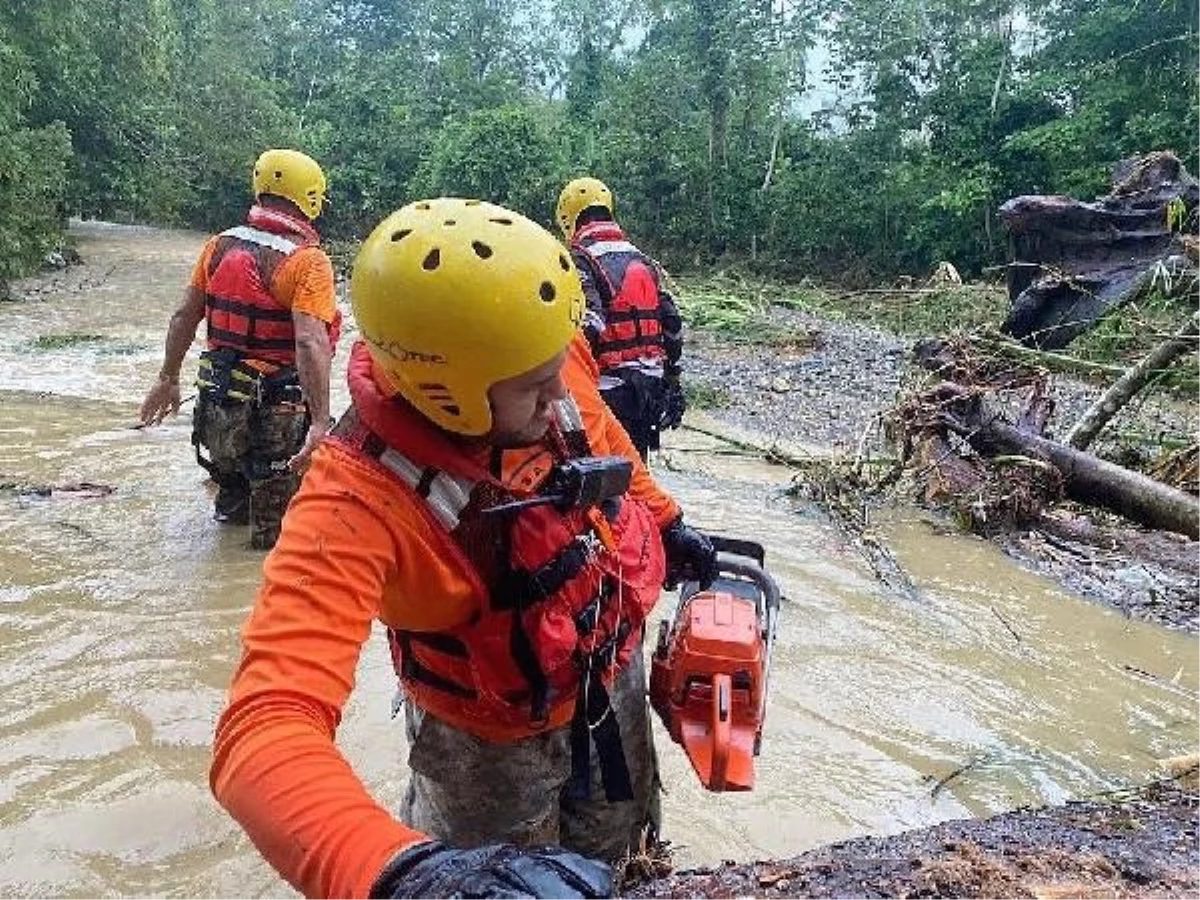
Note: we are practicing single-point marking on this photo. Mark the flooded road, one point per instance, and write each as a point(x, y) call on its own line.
point(119, 621)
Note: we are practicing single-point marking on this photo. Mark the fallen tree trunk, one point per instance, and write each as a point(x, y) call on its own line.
point(1131, 382)
point(1087, 478)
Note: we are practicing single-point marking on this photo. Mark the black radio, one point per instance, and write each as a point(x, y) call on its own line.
point(579, 484)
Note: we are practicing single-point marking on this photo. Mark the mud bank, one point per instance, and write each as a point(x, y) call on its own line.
point(1139, 846)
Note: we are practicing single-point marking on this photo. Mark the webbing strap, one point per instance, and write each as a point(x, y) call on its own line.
point(595, 721)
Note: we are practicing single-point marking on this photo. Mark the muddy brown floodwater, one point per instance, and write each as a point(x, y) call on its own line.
point(121, 601)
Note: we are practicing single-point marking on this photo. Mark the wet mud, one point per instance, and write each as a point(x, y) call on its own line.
point(1143, 845)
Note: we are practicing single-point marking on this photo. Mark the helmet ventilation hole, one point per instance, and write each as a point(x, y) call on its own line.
point(401, 234)
point(482, 250)
point(422, 206)
point(449, 222)
point(564, 262)
point(440, 395)
point(432, 260)
point(278, 174)
point(547, 292)
point(501, 221)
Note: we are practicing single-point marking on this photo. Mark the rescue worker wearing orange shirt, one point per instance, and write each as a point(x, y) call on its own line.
point(480, 500)
point(265, 290)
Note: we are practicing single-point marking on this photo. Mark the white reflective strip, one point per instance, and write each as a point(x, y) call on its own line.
point(448, 497)
point(647, 365)
point(262, 238)
point(402, 466)
point(601, 247)
point(566, 414)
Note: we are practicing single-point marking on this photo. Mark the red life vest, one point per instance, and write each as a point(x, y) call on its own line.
point(241, 312)
point(633, 329)
point(564, 595)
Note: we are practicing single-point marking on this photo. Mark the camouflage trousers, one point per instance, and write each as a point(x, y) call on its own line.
point(469, 792)
point(248, 445)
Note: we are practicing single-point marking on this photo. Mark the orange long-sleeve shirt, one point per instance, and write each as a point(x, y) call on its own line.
point(352, 550)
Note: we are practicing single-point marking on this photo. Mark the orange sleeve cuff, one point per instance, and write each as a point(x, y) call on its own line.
point(304, 282)
point(279, 774)
point(199, 277)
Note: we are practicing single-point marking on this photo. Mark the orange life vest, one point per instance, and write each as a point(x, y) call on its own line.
point(564, 594)
point(633, 329)
point(241, 312)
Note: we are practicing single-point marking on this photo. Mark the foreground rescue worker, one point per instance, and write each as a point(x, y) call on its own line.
point(265, 290)
point(515, 613)
point(632, 322)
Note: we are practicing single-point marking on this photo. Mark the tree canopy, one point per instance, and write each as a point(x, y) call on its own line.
point(852, 139)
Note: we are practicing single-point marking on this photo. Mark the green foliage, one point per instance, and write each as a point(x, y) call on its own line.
point(505, 155)
point(699, 395)
point(33, 172)
point(689, 109)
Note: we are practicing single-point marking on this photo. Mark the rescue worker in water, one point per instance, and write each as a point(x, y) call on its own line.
point(265, 290)
point(631, 322)
point(516, 634)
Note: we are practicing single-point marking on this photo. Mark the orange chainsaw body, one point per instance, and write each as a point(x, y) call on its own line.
point(708, 678)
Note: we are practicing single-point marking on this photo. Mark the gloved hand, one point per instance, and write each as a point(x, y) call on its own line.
point(433, 869)
point(674, 404)
point(691, 556)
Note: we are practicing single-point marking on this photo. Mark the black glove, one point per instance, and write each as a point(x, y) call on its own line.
point(690, 555)
point(433, 869)
point(674, 404)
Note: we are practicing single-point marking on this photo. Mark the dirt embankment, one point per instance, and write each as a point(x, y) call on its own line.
point(1140, 846)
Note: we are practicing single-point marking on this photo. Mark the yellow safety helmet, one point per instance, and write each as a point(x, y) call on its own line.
point(453, 296)
point(292, 175)
point(577, 196)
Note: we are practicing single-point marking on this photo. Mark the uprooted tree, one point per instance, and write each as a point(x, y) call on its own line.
point(972, 438)
point(1074, 262)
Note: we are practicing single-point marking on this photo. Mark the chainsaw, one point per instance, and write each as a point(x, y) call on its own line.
point(711, 666)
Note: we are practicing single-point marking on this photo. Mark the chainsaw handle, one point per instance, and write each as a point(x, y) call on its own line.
point(722, 730)
point(729, 564)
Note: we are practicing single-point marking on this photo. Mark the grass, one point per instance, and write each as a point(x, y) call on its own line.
point(705, 396)
point(1127, 334)
point(104, 345)
point(66, 339)
point(737, 307)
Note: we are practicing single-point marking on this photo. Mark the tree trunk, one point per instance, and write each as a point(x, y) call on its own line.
point(1133, 380)
point(1089, 479)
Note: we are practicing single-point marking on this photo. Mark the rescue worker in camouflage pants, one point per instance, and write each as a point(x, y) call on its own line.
point(266, 292)
point(480, 501)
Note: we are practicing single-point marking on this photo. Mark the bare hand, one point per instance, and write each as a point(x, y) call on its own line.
point(161, 401)
point(300, 461)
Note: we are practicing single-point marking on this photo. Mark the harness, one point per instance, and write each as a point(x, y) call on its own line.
point(565, 594)
point(633, 328)
point(241, 313)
